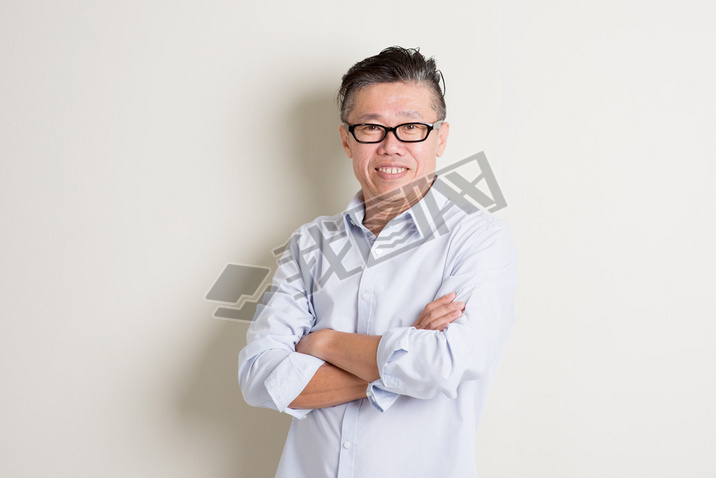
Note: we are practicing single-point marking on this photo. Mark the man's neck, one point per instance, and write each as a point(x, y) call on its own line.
point(381, 210)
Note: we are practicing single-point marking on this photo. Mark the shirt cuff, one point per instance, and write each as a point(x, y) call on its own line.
point(379, 398)
point(288, 380)
point(394, 344)
point(383, 392)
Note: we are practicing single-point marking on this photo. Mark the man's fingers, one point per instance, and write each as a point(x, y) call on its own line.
point(432, 306)
point(438, 318)
point(441, 322)
point(450, 313)
point(446, 299)
point(439, 302)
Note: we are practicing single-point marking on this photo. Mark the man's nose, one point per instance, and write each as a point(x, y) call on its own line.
point(391, 144)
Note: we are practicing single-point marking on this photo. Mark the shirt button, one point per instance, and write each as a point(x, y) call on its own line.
point(364, 295)
point(368, 394)
point(379, 251)
point(346, 444)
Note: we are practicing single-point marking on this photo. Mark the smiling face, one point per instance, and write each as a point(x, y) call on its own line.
point(392, 164)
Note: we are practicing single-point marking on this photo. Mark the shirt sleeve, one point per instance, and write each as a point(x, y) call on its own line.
point(423, 363)
point(271, 373)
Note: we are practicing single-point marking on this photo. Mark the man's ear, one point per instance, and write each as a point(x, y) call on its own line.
point(442, 137)
point(344, 140)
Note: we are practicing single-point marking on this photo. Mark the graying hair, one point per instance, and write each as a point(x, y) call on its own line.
point(394, 64)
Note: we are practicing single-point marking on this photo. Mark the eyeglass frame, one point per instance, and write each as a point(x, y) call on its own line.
point(387, 129)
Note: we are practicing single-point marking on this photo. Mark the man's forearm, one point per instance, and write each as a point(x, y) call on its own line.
point(354, 353)
point(330, 386)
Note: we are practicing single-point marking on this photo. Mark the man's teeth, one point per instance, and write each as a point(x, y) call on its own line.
point(391, 170)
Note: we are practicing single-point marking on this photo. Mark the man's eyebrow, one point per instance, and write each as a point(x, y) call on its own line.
point(412, 114)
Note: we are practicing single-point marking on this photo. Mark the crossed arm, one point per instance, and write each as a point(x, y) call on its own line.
point(351, 358)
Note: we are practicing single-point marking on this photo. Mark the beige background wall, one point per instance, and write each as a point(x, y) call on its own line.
point(143, 145)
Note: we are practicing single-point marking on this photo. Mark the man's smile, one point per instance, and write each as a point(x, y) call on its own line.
point(391, 170)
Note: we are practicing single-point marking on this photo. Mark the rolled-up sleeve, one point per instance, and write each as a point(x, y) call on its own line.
point(423, 363)
point(271, 373)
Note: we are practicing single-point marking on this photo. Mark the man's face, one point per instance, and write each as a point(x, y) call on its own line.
point(391, 104)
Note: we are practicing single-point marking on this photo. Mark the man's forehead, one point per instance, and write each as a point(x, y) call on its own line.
point(409, 114)
point(387, 101)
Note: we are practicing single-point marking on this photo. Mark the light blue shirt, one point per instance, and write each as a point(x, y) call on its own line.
point(420, 418)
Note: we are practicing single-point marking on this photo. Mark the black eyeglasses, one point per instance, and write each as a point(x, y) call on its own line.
point(406, 132)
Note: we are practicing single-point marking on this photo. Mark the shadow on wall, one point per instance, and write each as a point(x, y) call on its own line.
point(251, 439)
point(327, 177)
point(247, 440)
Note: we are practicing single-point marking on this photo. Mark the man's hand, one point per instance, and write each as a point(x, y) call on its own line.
point(438, 314)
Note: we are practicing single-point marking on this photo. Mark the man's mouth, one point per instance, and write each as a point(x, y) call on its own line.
point(391, 170)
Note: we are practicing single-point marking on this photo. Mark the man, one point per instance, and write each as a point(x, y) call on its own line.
point(384, 326)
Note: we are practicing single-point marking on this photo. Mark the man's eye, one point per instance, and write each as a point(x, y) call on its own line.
point(372, 127)
point(411, 128)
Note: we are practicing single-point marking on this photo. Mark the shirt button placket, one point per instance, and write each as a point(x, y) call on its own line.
point(347, 456)
point(365, 302)
point(346, 459)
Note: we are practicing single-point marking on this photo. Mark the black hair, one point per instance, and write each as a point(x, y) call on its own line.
point(393, 64)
